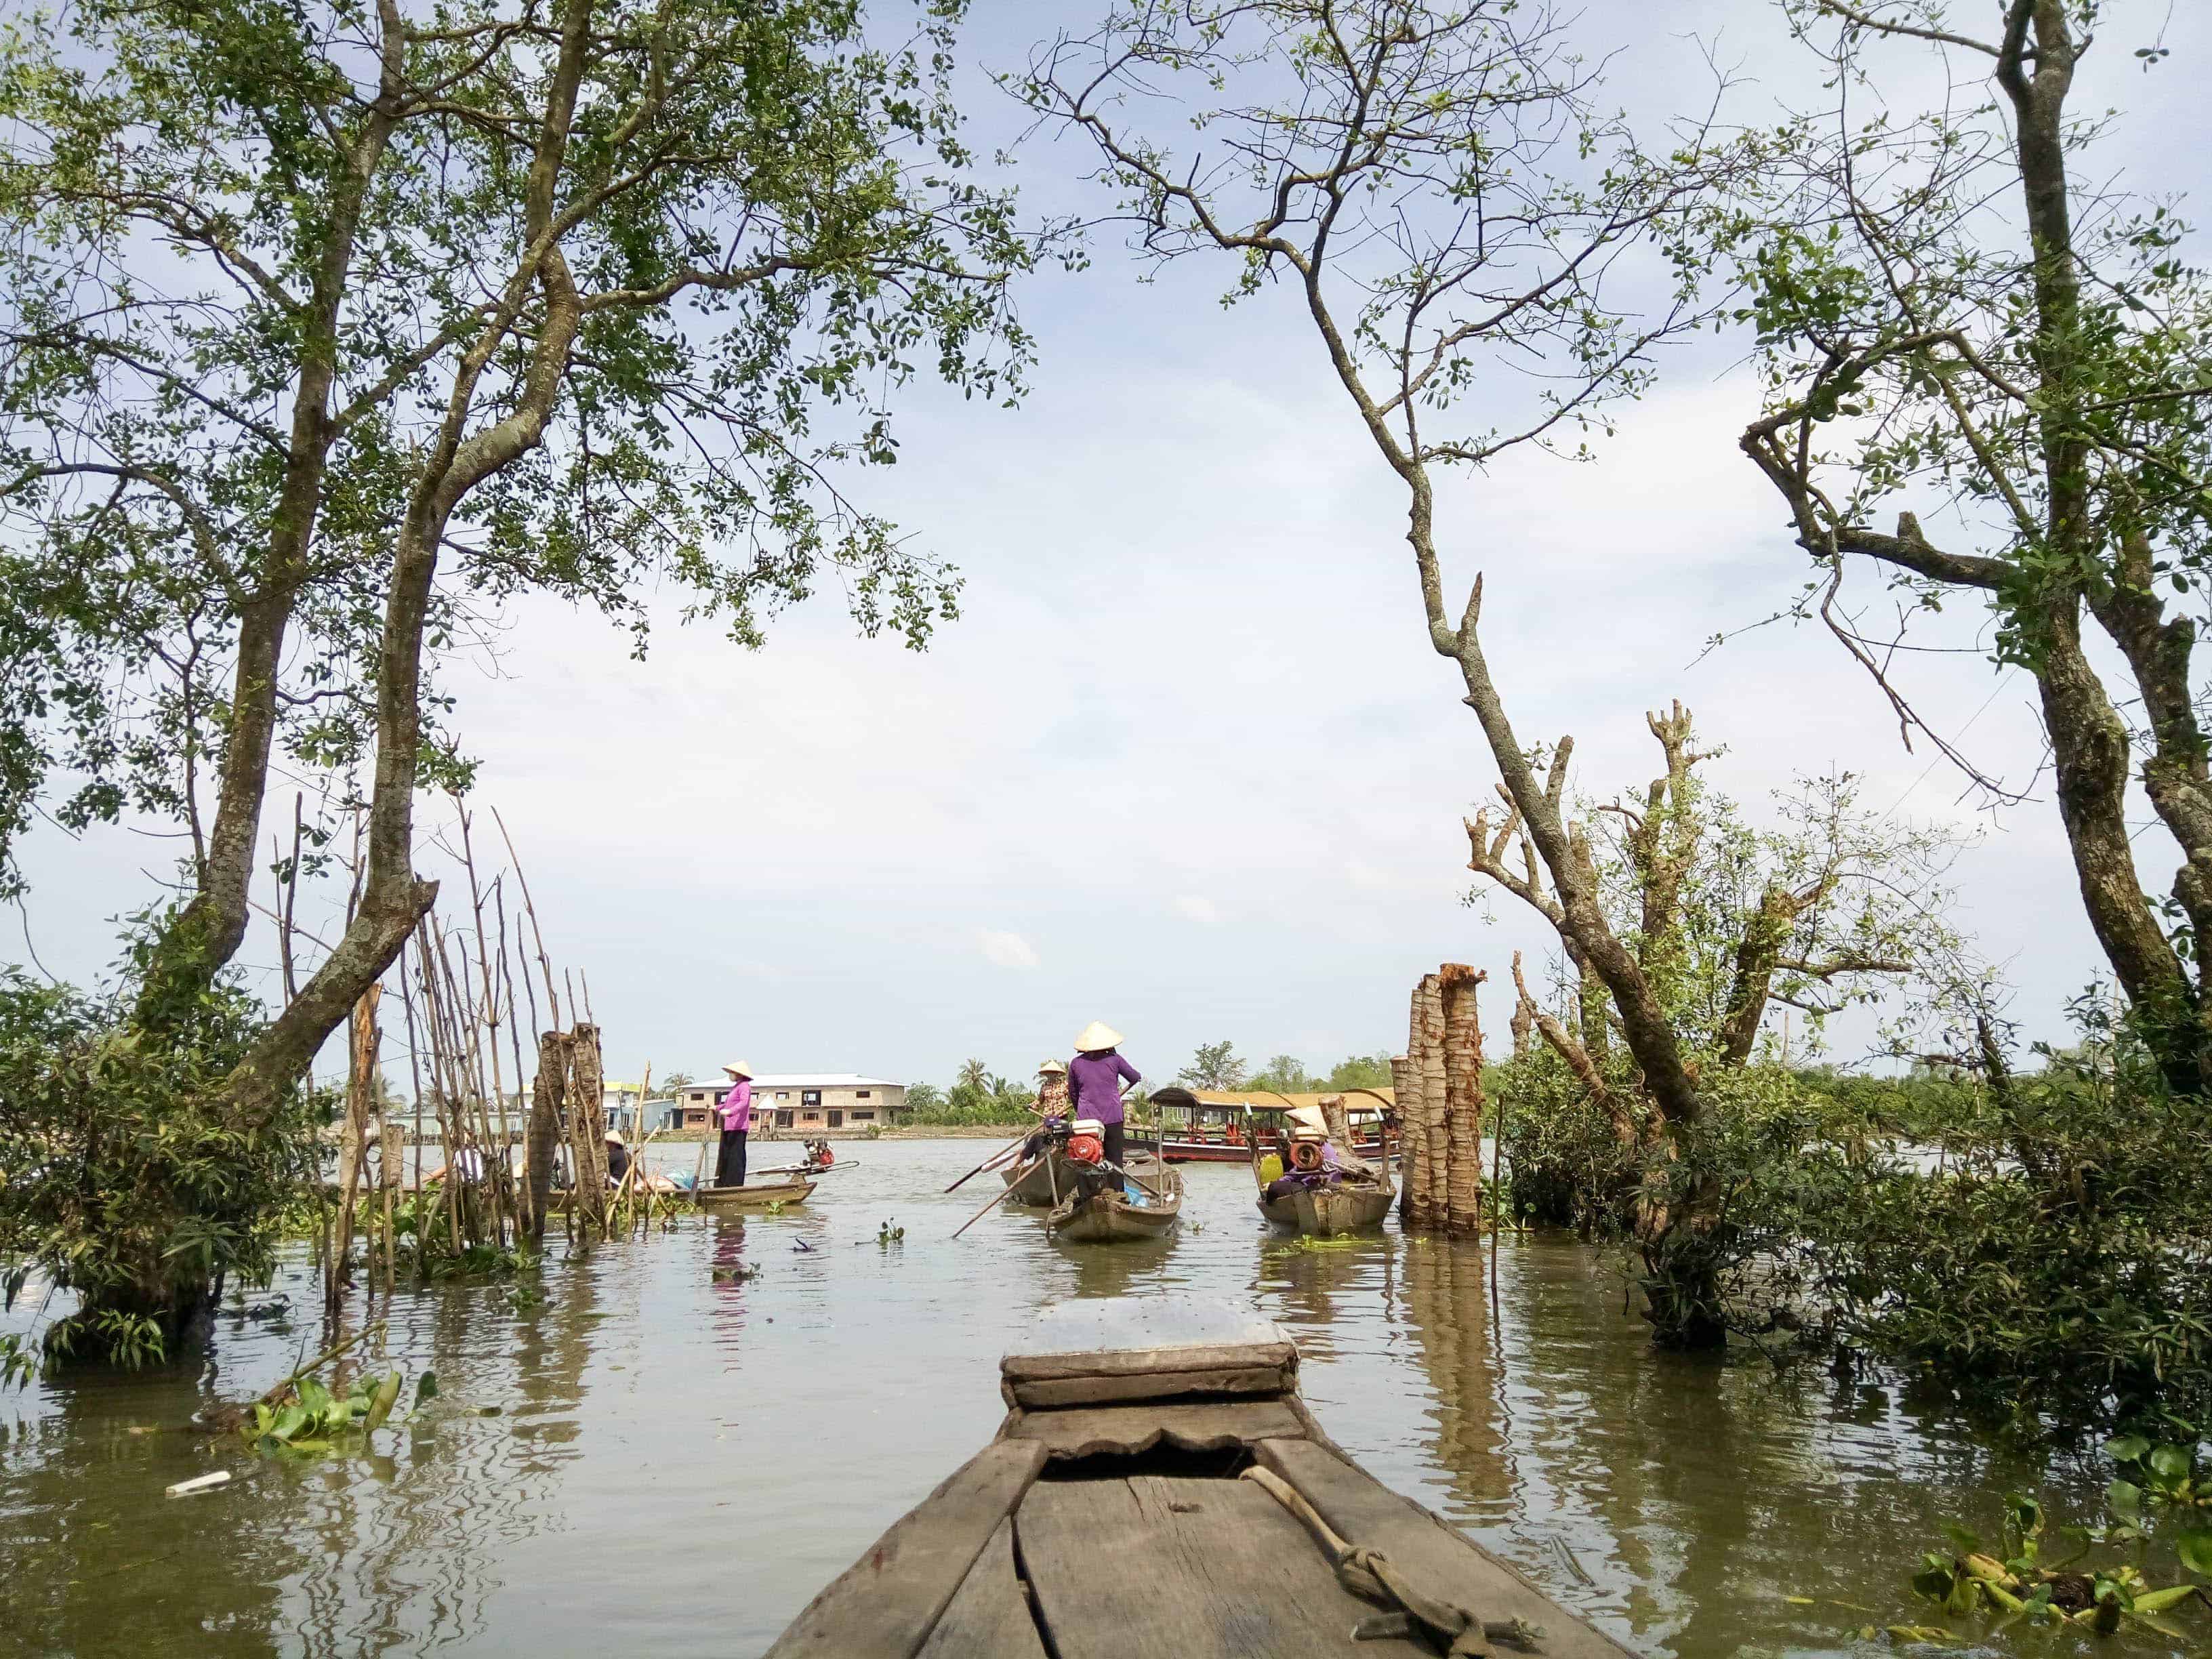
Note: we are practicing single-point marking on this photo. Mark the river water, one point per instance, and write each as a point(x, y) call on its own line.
point(653, 1459)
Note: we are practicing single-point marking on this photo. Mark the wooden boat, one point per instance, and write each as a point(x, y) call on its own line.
point(1353, 1205)
point(1157, 1487)
point(1357, 1202)
point(1112, 1216)
point(756, 1196)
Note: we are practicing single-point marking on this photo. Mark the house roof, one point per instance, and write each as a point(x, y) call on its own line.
point(803, 1080)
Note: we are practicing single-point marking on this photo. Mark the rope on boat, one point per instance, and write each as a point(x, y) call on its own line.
point(1369, 1574)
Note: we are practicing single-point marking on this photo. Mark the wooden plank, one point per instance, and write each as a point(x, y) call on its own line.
point(1125, 1323)
point(1436, 1560)
point(1197, 1568)
point(989, 1618)
point(884, 1604)
point(1105, 1390)
point(1136, 1361)
point(1199, 1426)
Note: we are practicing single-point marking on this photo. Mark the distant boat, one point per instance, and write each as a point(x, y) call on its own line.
point(1159, 1487)
point(1144, 1203)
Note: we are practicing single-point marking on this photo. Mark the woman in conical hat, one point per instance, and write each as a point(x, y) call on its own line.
point(736, 1112)
point(1052, 1089)
point(1095, 1077)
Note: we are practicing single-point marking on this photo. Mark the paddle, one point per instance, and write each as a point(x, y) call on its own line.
point(997, 1198)
point(987, 1163)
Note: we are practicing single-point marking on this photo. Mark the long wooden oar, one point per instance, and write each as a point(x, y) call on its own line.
point(993, 1159)
point(997, 1198)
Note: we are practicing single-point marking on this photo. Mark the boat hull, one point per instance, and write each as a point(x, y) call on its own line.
point(1175, 1149)
point(1187, 1477)
point(758, 1197)
point(1108, 1216)
point(1041, 1182)
point(1327, 1211)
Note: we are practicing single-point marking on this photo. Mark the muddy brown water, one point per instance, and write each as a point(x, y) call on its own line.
point(652, 1461)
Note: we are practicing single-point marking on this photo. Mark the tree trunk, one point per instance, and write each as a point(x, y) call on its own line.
point(1463, 1141)
point(542, 1142)
point(1402, 1085)
point(353, 1146)
point(1428, 1207)
point(588, 1127)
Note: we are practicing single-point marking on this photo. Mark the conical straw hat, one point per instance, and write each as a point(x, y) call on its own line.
point(1308, 1117)
point(1094, 1036)
point(739, 1068)
point(1051, 1068)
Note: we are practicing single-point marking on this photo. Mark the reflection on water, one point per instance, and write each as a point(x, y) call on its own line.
point(686, 1436)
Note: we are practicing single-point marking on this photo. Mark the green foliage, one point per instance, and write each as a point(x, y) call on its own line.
point(765, 219)
point(1284, 1073)
point(1360, 1071)
point(979, 1099)
point(125, 1178)
point(1215, 1065)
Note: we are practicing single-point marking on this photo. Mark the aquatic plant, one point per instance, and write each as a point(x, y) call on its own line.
point(2024, 1585)
point(887, 1234)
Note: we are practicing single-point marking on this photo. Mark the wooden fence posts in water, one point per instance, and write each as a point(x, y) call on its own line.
point(1440, 1104)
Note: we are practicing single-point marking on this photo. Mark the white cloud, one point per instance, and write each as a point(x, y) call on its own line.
point(1006, 950)
point(1199, 910)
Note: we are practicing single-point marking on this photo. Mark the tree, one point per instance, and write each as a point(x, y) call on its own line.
point(973, 1074)
point(675, 1082)
point(1422, 180)
point(1215, 1065)
point(1955, 326)
point(1285, 1074)
point(510, 299)
point(1359, 1071)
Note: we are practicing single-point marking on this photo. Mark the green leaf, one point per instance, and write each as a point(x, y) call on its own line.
point(2171, 1464)
point(2126, 1448)
point(2124, 1496)
point(426, 1387)
point(1963, 1541)
point(2194, 1547)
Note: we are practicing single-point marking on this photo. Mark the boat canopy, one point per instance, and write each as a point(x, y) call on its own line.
point(1356, 1102)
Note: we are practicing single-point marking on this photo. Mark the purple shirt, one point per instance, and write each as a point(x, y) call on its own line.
point(1095, 1081)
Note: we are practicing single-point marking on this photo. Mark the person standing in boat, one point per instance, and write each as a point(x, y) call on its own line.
point(1051, 1103)
point(1095, 1077)
point(735, 1113)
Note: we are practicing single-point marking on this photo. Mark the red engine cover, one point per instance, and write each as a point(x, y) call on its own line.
point(1085, 1149)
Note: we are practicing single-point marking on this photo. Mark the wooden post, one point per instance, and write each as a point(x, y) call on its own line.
point(1401, 1091)
point(1462, 1052)
point(1430, 1207)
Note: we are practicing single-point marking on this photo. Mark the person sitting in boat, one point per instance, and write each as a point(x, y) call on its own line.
point(1095, 1077)
point(1313, 1163)
point(735, 1113)
point(818, 1156)
point(618, 1158)
point(1051, 1105)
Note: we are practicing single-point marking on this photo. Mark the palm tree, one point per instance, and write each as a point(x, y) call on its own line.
point(973, 1074)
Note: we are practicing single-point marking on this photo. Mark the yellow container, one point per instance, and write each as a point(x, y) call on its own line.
point(1271, 1168)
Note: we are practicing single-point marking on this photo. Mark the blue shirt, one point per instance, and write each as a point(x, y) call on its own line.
point(1095, 1081)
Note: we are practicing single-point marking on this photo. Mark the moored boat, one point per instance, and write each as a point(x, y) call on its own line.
point(1216, 1126)
point(757, 1197)
point(1157, 1487)
point(1350, 1200)
point(1144, 1204)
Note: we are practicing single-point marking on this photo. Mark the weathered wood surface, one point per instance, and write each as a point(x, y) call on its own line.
point(989, 1617)
point(1282, 1356)
point(1192, 1568)
point(1089, 1332)
point(886, 1604)
point(1151, 1385)
point(1328, 1211)
point(1108, 1218)
point(1435, 1559)
point(1193, 1426)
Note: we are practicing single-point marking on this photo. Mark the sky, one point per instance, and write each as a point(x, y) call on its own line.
point(1187, 763)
